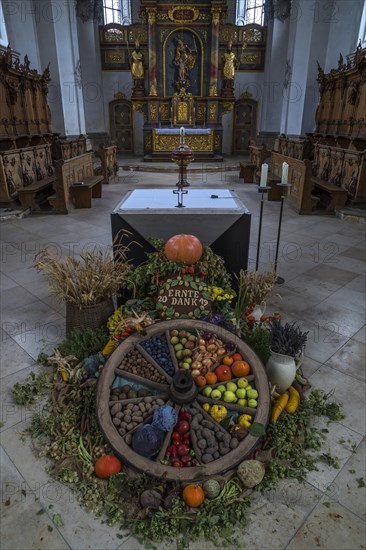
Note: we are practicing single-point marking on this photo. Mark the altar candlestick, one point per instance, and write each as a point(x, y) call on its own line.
point(182, 135)
point(284, 172)
point(264, 175)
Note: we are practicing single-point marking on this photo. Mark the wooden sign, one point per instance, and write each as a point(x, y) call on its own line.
point(185, 296)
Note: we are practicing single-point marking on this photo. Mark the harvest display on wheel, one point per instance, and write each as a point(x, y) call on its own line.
point(175, 402)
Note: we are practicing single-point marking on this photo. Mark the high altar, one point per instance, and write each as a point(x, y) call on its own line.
point(183, 58)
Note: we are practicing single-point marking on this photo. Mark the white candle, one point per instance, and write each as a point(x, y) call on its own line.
point(182, 135)
point(284, 172)
point(264, 175)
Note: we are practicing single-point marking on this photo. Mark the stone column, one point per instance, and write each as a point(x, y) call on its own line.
point(151, 29)
point(58, 45)
point(214, 65)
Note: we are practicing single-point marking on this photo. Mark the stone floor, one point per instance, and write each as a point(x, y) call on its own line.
point(323, 262)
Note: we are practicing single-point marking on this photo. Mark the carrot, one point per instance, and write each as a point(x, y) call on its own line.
point(279, 406)
point(294, 401)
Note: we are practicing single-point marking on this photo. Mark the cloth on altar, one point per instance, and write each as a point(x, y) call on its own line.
point(187, 131)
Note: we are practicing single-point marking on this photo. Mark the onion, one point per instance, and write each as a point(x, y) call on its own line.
point(196, 365)
point(212, 347)
point(195, 373)
point(221, 351)
point(201, 342)
point(207, 363)
point(202, 348)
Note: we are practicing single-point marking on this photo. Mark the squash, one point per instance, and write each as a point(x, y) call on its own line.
point(294, 401)
point(183, 248)
point(279, 406)
point(193, 495)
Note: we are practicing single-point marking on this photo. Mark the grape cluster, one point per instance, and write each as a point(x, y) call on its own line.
point(158, 349)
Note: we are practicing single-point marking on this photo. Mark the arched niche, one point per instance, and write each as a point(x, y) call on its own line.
point(170, 69)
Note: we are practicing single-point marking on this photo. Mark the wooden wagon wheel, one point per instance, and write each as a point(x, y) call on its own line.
point(177, 391)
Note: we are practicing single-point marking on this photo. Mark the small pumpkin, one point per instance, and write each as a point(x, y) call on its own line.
point(223, 373)
point(211, 488)
point(183, 248)
point(193, 495)
point(240, 368)
point(107, 465)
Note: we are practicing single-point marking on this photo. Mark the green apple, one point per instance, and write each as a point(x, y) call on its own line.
point(183, 340)
point(186, 366)
point(188, 360)
point(174, 340)
point(252, 394)
point(241, 393)
point(178, 347)
point(231, 386)
point(242, 402)
point(207, 391)
point(242, 383)
point(187, 352)
point(215, 394)
point(179, 354)
point(253, 403)
point(221, 388)
point(229, 397)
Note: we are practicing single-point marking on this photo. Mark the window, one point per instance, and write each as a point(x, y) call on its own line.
point(3, 33)
point(250, 11)
point(117, 11)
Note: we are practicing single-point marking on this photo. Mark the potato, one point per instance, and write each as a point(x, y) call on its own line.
point(206, 458)
point(201, 444)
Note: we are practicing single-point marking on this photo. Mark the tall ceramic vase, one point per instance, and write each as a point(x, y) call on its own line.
point(281, 370)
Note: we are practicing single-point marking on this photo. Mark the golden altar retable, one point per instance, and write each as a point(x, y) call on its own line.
point(164, 140)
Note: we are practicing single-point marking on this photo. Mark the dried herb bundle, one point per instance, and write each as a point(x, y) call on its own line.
point(86, 279)
point(287, 339)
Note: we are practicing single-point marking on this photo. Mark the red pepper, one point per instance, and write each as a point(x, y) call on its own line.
point(183, 415)
point(175, 451)
point(168, 451)
point(186, 458)
point(177, 463)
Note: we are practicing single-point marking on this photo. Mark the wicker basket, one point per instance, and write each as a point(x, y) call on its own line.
point(88, 316)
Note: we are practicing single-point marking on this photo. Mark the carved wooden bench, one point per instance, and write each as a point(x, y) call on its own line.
point(76, 183)
point(339, 175)
point(300, 195)
point(250, 170)
point(24, 173)
point(331, 196)
point(108, 158)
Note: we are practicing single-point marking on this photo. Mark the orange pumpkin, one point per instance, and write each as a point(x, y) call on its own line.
point(236, 357)
point(107, 465)
point(193, 495)
point(211, 378)
point(201, 381)
point(183, 248)
point(240, 368)
point(223, 373)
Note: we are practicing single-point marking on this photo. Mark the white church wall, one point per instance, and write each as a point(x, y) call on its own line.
point(91, 77)
point(345, 17)
point(20, 20)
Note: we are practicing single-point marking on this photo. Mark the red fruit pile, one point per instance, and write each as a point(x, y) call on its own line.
point(180, 453)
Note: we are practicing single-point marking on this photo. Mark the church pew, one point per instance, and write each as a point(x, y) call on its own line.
point(24, 174)
point(339, 176)
point(250, 170)
point(76, 183)
point(300, 195)
point(108, 158)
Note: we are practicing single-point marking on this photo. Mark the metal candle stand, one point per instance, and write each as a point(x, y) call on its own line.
point(261, 189)
point(280, 280)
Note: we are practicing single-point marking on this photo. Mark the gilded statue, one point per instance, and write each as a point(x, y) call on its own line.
point(185, 60)
point(137, 63)
point(230, 63)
